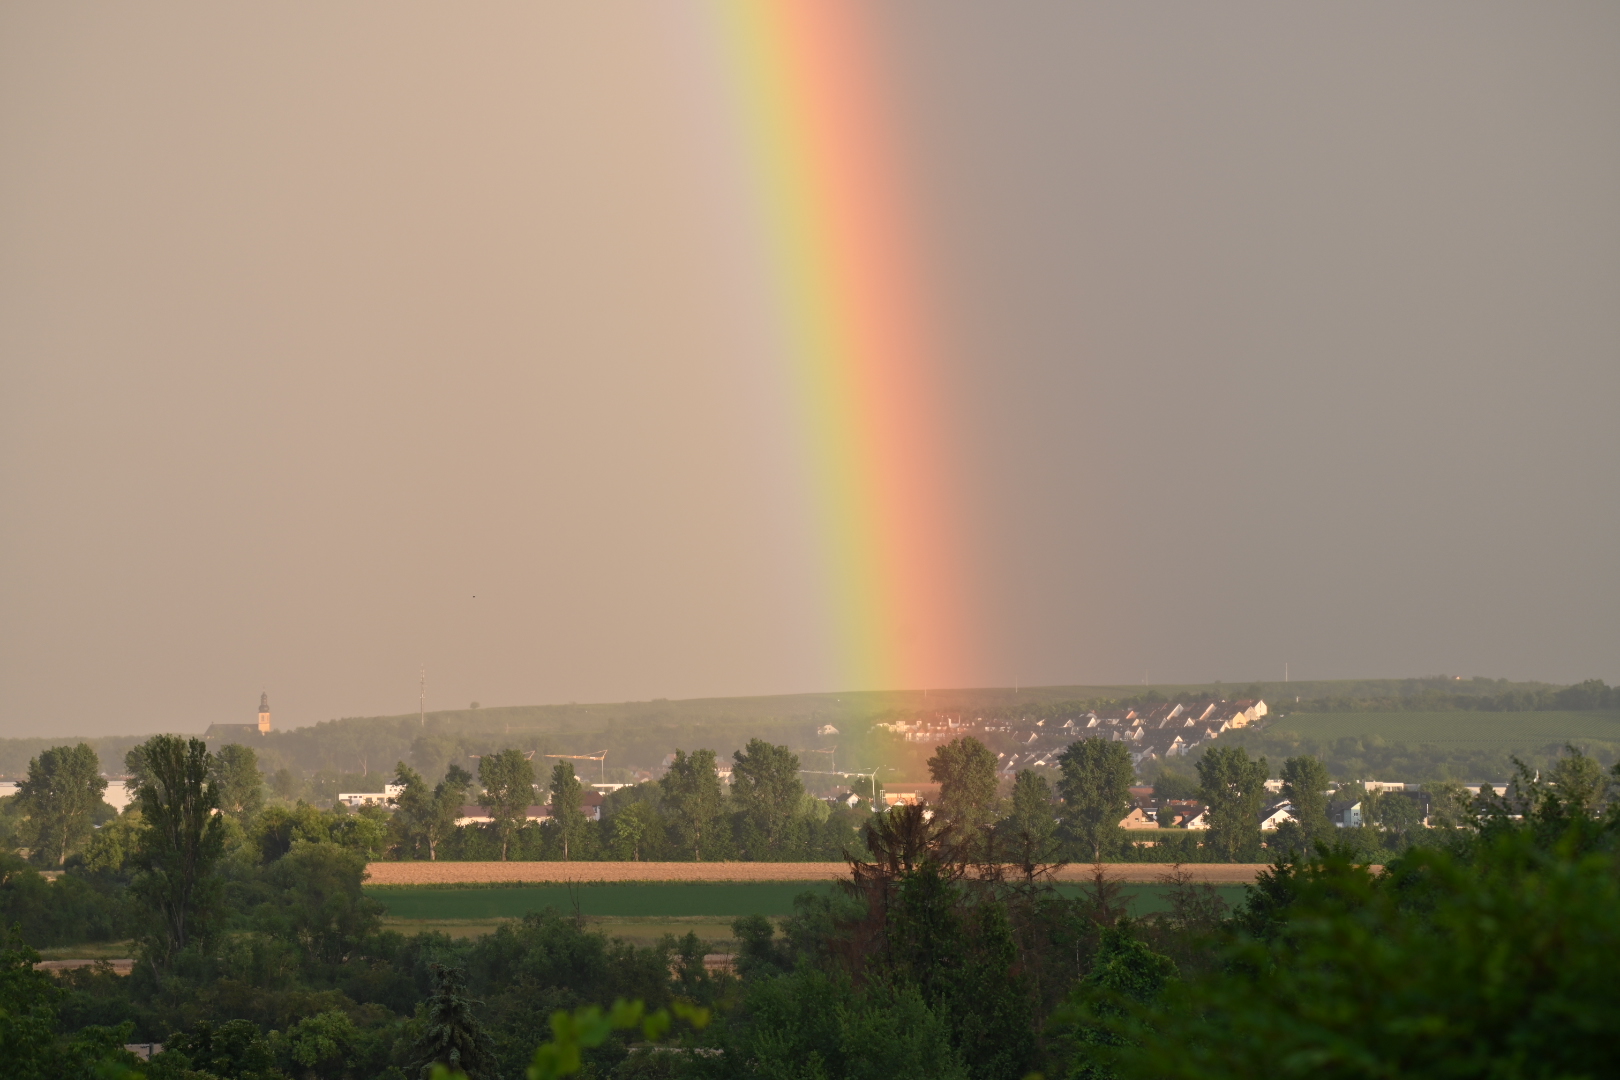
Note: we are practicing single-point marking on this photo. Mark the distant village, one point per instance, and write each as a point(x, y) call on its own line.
point(1157, 732)
point(1154, 733)
point(1165, 730)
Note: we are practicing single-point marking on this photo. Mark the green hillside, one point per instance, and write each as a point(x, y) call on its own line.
point(1504, 730)
point(1441, 711)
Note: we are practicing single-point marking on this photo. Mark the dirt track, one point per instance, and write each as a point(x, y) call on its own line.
point(470, 873)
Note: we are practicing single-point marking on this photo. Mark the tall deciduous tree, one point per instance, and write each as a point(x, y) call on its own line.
point(183, 840)
point(135, 765)
point(1305, 785)
point(426, 816)
point(965, 771)
point(693, 800)
point(235, 771)
point(633, 827)
point(448, 796)
point(508, 781)
point(1032, 825)
point(1233, 785)
point(61, 794)
point(1578, 781)
point(1396, 815)
point(566, 816)
point(765, 786)
point(413, 809)
point(1095, 784)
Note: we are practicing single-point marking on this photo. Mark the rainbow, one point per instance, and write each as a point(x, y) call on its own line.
point(852, 327)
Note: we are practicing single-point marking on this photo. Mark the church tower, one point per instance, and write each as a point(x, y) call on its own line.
point(264, 713)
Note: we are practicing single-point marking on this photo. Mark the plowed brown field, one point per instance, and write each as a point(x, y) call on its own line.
point(491, 873)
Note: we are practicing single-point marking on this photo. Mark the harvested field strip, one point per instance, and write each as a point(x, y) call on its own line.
point(650, 900)
point(435, 873)
point(539, 873)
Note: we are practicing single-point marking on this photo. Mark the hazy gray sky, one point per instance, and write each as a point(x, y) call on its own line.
point(1283, 332)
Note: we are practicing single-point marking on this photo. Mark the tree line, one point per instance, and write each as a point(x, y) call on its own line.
point(764, 814)
point(948, 952)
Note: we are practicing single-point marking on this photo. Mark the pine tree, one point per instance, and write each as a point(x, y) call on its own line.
point(452, 1036)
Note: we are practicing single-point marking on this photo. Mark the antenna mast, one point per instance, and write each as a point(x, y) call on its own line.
point(421, 701)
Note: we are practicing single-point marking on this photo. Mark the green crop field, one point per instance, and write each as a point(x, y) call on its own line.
point(1499, 730)
point(728, 899)
point(673, 900)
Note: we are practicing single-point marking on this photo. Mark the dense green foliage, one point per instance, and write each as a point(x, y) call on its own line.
point(181, 841)
point(508, 782)
point(1488, 953)
point(60, 797)
point(1232, 786)
point(1483, 950)
point(965, 771)
point(1095, 785)
point(425, 817)
point(32, 1044)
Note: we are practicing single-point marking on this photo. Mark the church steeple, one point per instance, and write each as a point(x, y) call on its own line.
point(264, 713)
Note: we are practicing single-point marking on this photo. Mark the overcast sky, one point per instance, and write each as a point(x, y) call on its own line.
point(340, 339)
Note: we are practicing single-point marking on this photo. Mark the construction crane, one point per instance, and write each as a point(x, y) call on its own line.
point(600, 757)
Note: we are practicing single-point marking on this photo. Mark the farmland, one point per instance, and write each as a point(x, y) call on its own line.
point(1462, 729)
point(550, 873)
point(619, 899)
point(423, 906)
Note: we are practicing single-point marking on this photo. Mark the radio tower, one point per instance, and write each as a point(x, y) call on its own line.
point(421, 701)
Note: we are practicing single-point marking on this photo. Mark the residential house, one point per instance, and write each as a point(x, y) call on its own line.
point(1345, 813)
point(1176, 813)
point(1275, 814)
point(1142, 816)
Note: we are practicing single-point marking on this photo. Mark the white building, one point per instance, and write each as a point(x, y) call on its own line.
point(386, 797)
